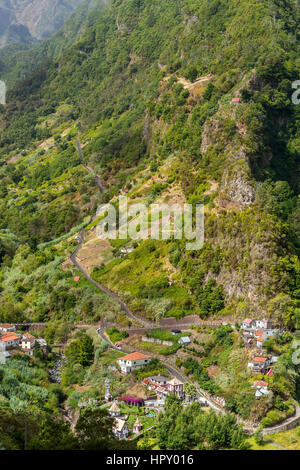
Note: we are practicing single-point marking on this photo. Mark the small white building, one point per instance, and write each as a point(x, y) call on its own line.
point(120, 429)
point(259, 364)
point(28, 343)
point(258, 384)
point(184, 340)
point(202, 401)
point(133, 361)
point(220, 401)
point(156, 381)
point(114, 410)
point(247, 324)
point(264, 324)
point(175, 387)
point(7, 328)
point(137, 427)
point(10, 341)
point(261, 392)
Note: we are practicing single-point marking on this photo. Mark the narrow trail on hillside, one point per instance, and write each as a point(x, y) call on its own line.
point(280, 447)
point(74, 260)
point(113, 295)
point(97, 178)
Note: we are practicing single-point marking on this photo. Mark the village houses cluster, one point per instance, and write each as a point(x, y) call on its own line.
point(255, 333)
point(11, 340)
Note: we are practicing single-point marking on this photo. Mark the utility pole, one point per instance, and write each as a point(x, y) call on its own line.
point(26, 431)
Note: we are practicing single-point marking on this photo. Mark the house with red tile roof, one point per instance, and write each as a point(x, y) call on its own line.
point(259, 383)
point(28, 343)
point(247, 323)
point(259, 364)
point(133, 361)
point(10, 341)
point(7, 328)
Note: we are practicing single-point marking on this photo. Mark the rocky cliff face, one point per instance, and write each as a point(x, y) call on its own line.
point(27, 21)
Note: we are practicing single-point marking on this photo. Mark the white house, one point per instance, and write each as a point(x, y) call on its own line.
point(156, 381)
point(114, 410)
point(202, 401)
point(10, 340)
point(120, 429)
point(7, 328)
point(258, 384)
point(247, 323)
point(175, 386)
point(184, 340)
point(264, 324)
point(133, 361)
point(28, 343)
point(137, 427)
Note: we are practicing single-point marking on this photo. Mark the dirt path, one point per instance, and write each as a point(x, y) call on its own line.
point(97, 178)
point(113, 295)
point(280, 447)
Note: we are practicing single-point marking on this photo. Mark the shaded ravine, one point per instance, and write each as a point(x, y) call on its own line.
point(55, 371)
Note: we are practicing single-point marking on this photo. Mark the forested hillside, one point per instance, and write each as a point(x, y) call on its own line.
point(122, 87)
point(171, 101)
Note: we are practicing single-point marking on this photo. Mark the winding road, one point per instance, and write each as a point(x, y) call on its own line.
point(125, 308)
point(113, 295)
point(291, 422)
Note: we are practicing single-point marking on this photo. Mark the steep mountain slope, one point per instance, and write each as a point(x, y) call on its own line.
point(26, 21)
point(128, 89)
point(19, 60)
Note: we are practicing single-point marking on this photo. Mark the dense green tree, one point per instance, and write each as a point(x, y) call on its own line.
point(94, 429)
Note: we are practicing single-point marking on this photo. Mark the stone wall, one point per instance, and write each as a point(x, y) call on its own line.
point(156, 341)
point(288, 424)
